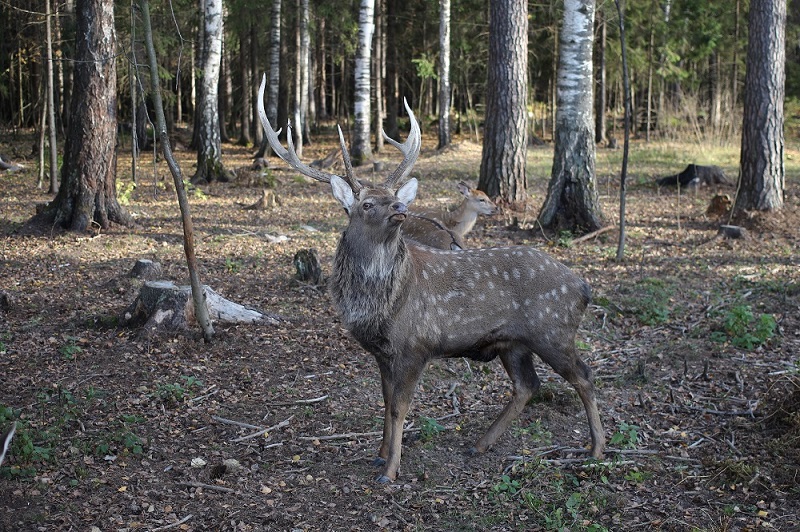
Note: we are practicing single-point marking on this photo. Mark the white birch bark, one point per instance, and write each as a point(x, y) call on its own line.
point(209, 147)
point(361, 150)
point(572, 201)
point(444, 73)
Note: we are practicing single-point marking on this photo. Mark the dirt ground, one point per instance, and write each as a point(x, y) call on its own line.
point(694, 340)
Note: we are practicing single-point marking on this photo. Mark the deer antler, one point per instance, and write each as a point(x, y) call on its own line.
point(290, 155)
point(409, 149)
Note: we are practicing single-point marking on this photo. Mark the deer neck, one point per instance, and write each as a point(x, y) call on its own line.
point(366, 284)
point(462, 219)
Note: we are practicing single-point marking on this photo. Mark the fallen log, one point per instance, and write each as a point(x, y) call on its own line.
point(163, 305)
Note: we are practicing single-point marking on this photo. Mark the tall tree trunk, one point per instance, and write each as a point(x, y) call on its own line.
point(87, 194)
point(762, 180)
point(209, 149)
point(322, 62)
point(245, 138)
point(444, 73)
point(198, 294)
point(225, 103)
point(305, 72)
point(572, 201)
point(298, 128)
point(715, 68)
point(505, 141)
point(735, 72)
point(379, 63)
point(392, 68)
point(650, 58)
point(600, 94)
point(361, 150)
point(51, 107)
point(274, 85)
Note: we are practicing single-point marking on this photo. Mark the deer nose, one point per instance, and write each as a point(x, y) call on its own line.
point(400, 207)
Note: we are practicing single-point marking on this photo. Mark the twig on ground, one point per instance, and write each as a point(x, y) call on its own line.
point(593, 234)
point(172, 525)
point(264, 431)
point(211, 487)
point(205, 396)
point(237, 423)
point(311, 401)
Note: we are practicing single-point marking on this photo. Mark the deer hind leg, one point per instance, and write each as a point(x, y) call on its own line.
point(567, 364)
point(518, 363)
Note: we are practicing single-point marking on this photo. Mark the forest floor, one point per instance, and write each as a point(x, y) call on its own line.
point(694, 340)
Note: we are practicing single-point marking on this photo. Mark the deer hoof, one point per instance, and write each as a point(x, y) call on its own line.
point(383, 479)
point(379, 461)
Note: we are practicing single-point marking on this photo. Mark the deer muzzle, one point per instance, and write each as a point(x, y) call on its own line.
point(399, 212)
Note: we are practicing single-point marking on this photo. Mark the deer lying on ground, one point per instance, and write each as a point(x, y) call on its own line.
point(408, 304)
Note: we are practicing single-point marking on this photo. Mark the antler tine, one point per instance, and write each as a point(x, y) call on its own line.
point(409, 149)
point(290, 155)
point(348, 165)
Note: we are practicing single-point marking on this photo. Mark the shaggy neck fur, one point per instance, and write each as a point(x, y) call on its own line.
point(366, 285)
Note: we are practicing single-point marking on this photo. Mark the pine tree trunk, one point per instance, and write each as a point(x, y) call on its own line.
point(572, 201)
point(505, 138)
point(274, 76)
point(245, 138)
point(762, 185)
point(600, 95)
point(87, 194)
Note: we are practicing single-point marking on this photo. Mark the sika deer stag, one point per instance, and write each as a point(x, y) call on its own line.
point(408, 304)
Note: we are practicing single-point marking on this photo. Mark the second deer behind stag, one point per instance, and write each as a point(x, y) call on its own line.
point(462, 219)
point(427, 226)
point(408, 304)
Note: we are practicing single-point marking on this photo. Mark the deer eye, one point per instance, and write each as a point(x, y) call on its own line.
point(366, 206)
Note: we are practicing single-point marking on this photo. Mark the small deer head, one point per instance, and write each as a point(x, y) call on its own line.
point(477, 200)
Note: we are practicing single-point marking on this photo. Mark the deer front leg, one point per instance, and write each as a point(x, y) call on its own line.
point(399, 385)
point(518, 363)
point(383, 452)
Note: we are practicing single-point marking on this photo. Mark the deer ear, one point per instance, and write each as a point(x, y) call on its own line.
point(463, 188)
point(342, 192)
point(408, 192)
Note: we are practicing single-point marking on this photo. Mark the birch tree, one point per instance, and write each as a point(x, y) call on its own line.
point(444, 73)
point(572, 202)
point(361, 151)
point(209, 149)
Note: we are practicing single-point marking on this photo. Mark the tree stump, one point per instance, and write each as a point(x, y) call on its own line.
point(308, 268)
point(733, 231)
point(146, 269)
point(163, 305)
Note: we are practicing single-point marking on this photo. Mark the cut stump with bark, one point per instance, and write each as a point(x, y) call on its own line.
point(146, 269)
point(734, 232)
point(309, 270)
point(163, 305)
